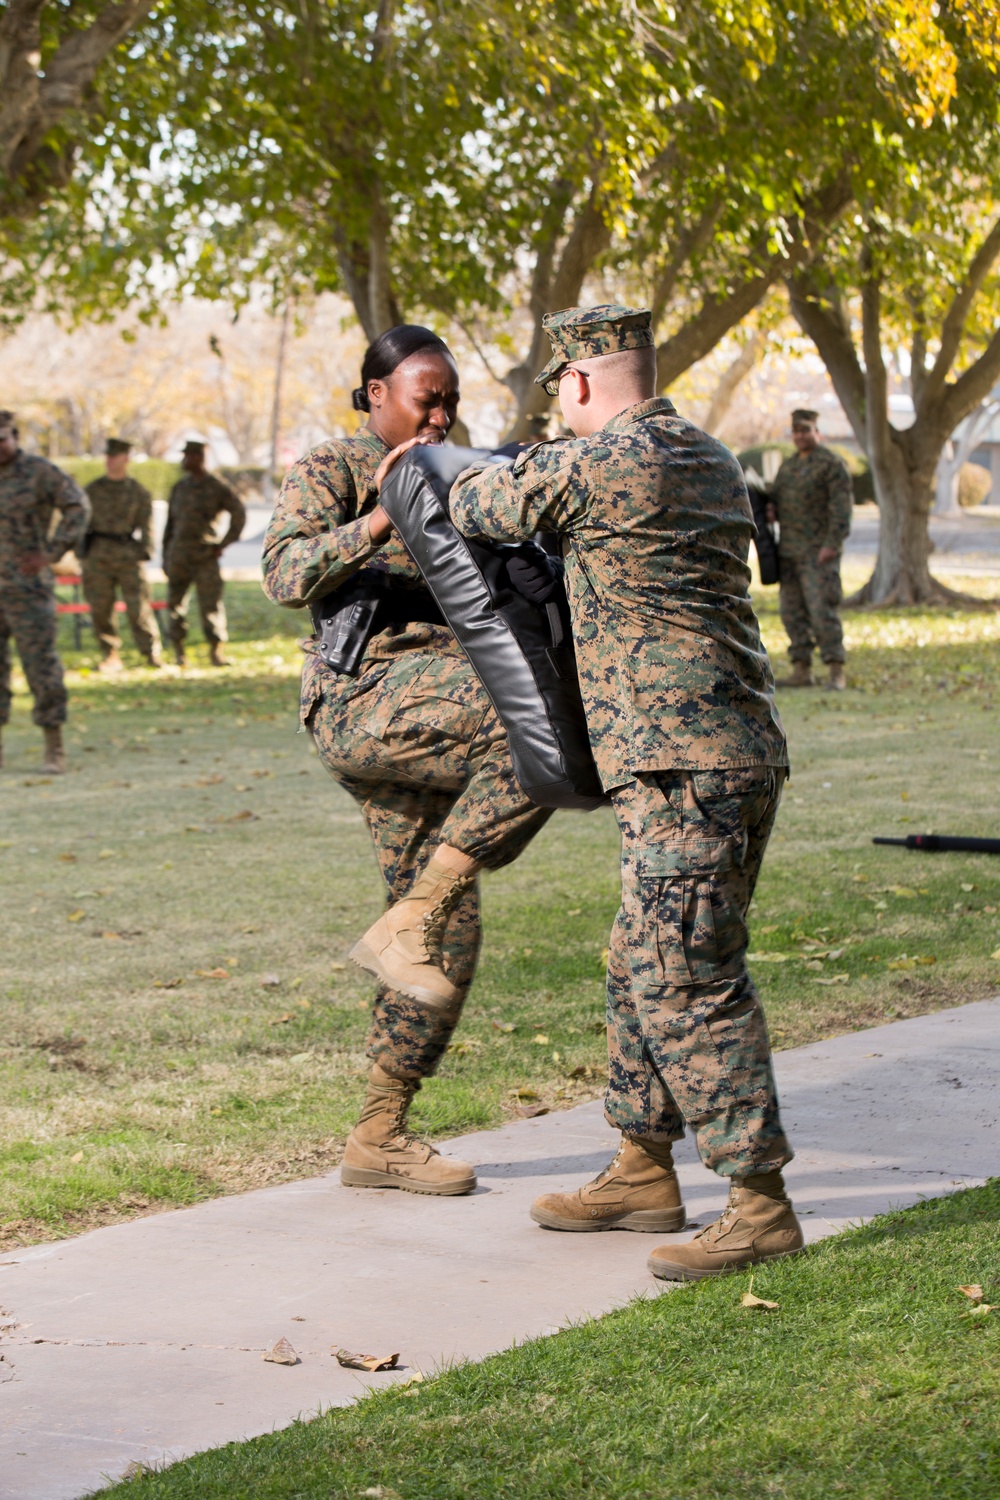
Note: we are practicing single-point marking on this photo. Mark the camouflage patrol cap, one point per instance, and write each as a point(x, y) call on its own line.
point(803, 414)
point(194, 445)
point(585, 332)
point(116, 445)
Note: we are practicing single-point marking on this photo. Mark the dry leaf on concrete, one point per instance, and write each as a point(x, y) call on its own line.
point(749, 1300)
point(974, 1292)
point(530, 1111)
point(369, 1362)
point(281, 1353)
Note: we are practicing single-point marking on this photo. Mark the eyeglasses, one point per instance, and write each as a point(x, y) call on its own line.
point(551, 386)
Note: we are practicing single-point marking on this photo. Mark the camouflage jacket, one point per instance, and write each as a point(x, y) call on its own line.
point(318, 537)
point(32, 490)
point(196, 502)
point(655, 525)
point(814, 497)
point(120, 507)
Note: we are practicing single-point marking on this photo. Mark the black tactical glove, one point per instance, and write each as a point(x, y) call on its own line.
point(533, 574)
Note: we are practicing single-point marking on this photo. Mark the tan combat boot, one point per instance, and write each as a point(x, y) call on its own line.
point(758, 1224)
point(403, 948)
point(637, 1190)
point(216, 657)
point(836, 681)
point(802, 676)
point(380, 1151)
point(54, 762)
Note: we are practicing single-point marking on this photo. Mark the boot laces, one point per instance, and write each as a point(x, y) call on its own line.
point(436, 920)
point(612, 1164)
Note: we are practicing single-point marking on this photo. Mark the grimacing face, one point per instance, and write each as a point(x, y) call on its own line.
point(419, 399)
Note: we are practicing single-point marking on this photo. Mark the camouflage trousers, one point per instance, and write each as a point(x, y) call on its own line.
point(418, 744)
point(111, 566)
point(687, 1040)
point(809, 599)
point(28, 613)
point(202, 570)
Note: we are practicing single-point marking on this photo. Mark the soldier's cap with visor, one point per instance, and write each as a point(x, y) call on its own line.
point(802, 416)
point(194, 445)
point(587, 332)
point(8, 421)
point(116, 445)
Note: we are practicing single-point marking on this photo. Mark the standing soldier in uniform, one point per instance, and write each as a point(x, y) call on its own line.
point(31, 490)
point(812, 499)
point(655, 526)
point(191, 550)
point(119, 540)
point(411, 735)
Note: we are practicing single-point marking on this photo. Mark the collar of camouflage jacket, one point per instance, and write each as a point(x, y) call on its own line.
point(658, 406)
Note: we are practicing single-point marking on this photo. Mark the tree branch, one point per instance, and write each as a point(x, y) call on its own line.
point(694, 238)
point(729, 382)
point(877, 426)
point(953, 326)
point(819, 311)
point(973, 386)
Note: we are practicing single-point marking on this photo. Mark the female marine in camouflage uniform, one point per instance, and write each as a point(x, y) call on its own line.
point(413, 737)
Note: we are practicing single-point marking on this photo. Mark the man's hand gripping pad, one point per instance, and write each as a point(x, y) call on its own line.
point(521, 652)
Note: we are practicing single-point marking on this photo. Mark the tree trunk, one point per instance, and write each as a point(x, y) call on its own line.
point(905, 490)
point(731, 379)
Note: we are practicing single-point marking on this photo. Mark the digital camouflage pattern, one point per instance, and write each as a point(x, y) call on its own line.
point(120, 539)
point(687, 1038)
point(814, 498)
point(32, 493)
point(413, 738)
point(809, 600)
point(582, 333)
point(656, 528)
point(190, 544)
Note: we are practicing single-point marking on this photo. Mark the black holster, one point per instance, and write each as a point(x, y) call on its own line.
point(345, 620)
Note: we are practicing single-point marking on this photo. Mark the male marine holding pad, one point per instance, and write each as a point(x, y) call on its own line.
point(655, 527)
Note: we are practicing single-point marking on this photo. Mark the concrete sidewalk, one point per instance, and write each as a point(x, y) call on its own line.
point(143, 1341)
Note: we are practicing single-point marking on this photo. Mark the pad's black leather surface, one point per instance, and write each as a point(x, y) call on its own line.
point(764, 541)
point(522, 654)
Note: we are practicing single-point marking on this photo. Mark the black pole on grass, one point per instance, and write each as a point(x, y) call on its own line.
point(941, 843)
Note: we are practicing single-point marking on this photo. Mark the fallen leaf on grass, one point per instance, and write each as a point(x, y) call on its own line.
point(212, 973)
point(270, 981)
point(246, 816)
point(530, 1111)
point(369, 1362)
point(209, 780)
point(337, 968)
point(68, 859)
point(280, 1020)
point(166, 984)
point(78, 1156)
point(508, 1026)
point(981, 1309)
point(995, 954)
point(76, 916)
point(107, 853)
point(965, 887)
point(770, 958)
point(974, 1292)
point(281, 1353)
point(749, 1300)
point(114, 937)
point(540, 1039)
point(834, 979)
point(605, 955)
point(526, 1094)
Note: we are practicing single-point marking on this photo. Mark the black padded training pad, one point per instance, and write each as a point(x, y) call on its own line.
point(521, 652)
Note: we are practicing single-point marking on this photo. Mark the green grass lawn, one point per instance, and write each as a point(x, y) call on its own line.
point(873, 1378)
point(181, 1019)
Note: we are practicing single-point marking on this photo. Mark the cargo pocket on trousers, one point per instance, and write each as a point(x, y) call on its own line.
point(690, 897)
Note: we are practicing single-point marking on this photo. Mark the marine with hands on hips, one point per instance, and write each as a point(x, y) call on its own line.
point(655, 527)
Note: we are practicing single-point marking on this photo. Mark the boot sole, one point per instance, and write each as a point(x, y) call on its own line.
point(366, 958)
point(665, 1270)
point(644, 1221)
point(366, 1177)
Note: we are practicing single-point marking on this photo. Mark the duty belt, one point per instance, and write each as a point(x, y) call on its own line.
point(371, 601)
point(111, 536)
